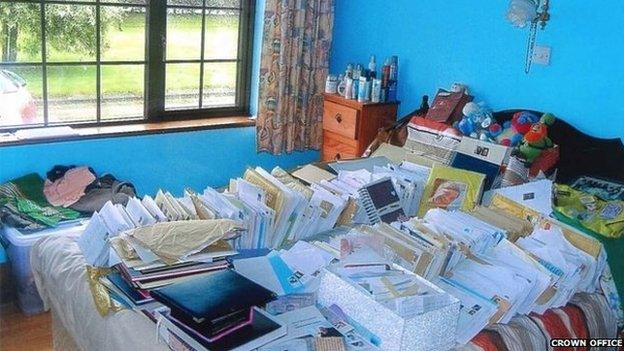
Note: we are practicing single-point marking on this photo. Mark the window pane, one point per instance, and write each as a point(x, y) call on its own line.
point(136, 2)
point(219, 84)
point(20, 95)
point(186, 2)
point(70, 31)
point(122, 33)
point(223, 3)
point(71, 94)
point(182, 85)
point(221, 34)
point(122, 91)
point(184, 34)
point(20, 32)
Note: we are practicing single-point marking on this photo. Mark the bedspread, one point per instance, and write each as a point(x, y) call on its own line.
point(60, 275)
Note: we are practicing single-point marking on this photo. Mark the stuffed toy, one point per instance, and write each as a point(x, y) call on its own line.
point(514, 130)
point(478, 122)
point(536, 139)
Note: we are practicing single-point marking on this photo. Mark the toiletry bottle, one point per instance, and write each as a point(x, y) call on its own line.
point(385, 80)
point(376, 93)
point(393, 82)
point(369, 85)
point(341, 85)
point(331, 84)
point(424, 106)
point(357, 73)
point(349, 71)
point(372, 67)
point(349, 88)
point(385, 73)
point(362, 89)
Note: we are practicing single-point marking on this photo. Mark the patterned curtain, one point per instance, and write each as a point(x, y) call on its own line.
point(295, 59)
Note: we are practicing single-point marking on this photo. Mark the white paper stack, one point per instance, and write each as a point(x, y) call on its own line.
point(475, 312)
point(473, 233)
point(574, 269)
point(109, 222)
point(409, 180)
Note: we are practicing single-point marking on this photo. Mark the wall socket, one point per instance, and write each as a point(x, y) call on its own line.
point(541, 55)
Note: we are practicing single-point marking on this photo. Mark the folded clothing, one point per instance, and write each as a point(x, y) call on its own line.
point(23, 205)
point(103, 189)
point(69, 188)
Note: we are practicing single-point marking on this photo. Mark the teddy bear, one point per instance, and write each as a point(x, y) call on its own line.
point(478, 122)
point(514, 130)
point(536, 139)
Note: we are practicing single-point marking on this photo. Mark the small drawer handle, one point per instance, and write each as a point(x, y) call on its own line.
point(338, 117)
point(337, 157)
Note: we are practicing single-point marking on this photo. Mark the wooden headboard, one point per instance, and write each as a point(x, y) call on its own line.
point(581, 154)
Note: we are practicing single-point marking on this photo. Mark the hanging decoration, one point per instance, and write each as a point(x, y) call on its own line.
point(532, 13)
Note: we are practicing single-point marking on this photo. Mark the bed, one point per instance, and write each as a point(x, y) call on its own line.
point(60, 275)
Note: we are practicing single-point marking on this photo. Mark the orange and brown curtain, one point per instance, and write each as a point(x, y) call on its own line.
point(295, 59)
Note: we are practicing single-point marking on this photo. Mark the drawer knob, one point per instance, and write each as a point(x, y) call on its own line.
point(338, 117)
point(337, 157)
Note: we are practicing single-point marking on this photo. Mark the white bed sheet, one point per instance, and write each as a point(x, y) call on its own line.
point(60, 275)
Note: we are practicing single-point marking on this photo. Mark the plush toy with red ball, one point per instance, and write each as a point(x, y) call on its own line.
point(536, 140)
point(514, 130)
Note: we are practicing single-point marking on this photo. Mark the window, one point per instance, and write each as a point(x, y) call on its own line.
point(92, 62)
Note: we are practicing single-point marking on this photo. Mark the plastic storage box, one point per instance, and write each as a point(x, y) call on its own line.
point(18, 245)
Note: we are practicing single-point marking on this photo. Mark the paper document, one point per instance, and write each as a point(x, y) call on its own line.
point(537, 195)
point(94, 242)
point(367, 163)
point(312, 174)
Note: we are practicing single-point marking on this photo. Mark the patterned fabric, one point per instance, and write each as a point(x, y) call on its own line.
point(23, 205)
point(521, 333)
point(295, 62)
point(586, 316)
point(609, 289)
point(600, 321)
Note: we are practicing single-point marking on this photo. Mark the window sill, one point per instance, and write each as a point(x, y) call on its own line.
point(137, 129)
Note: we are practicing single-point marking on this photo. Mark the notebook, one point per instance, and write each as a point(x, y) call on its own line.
point(380, 201)
point(214, 301)
point(452, 189)
point(262, 329)
point(137, 296)
point(481, 157)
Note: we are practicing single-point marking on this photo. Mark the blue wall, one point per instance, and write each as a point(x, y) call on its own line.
point(169, 161)
point(441, 42)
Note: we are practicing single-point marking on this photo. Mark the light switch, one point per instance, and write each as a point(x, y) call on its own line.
point(541, 55)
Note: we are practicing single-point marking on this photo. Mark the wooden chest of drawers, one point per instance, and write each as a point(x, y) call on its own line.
point(350, 126)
